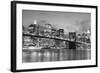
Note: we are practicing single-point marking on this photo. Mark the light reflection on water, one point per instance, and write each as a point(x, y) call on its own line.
point(55, 55)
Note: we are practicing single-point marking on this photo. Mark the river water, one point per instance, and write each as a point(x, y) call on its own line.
point(46, 55)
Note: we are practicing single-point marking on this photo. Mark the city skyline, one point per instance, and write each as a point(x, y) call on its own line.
point(69, 21)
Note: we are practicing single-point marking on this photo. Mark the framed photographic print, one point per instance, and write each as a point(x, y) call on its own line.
point(47, 36)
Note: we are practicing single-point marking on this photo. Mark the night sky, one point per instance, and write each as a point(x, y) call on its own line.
point(69, 21)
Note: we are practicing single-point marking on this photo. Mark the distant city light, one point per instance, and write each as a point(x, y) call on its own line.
point(35, 22)
point(88, 31)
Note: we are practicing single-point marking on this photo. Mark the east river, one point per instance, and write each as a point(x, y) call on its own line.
point(45, 55)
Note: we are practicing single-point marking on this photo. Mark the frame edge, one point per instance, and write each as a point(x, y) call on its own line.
point(13, 36)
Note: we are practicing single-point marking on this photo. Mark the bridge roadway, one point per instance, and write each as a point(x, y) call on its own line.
point(56, 38)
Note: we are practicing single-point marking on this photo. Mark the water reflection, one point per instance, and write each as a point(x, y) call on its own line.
point(44, 55)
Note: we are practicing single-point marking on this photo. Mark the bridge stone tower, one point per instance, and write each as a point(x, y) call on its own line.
point(72, 38)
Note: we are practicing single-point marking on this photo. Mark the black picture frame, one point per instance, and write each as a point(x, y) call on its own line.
point(14, 32)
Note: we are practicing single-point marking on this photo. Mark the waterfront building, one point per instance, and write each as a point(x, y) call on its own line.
point(48, 29)
point(53, 32)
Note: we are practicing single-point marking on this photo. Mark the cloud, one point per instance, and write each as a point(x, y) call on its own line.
point(83, 25)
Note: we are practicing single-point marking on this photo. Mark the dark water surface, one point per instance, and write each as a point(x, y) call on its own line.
point(43, 55)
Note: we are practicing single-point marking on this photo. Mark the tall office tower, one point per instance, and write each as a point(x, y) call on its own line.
point(53, 32)
point(61, 32)
point(48, 29)
point(33, 27)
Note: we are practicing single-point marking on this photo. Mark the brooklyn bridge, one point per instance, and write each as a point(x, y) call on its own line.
point(74, 50)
